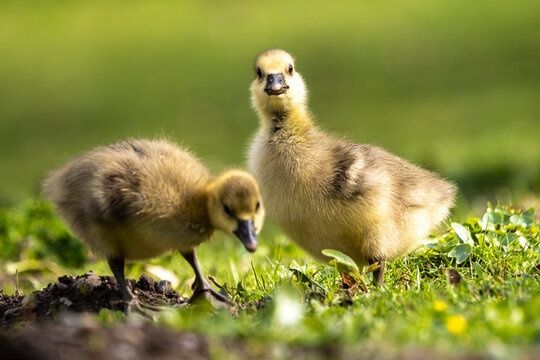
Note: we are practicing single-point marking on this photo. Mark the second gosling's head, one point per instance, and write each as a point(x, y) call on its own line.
point(235, 206)
point(277, 86)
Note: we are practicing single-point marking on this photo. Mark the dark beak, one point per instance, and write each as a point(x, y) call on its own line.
point(246, 233)
point(275, 84)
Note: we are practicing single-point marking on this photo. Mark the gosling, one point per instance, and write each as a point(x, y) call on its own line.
point(326, 192)
point(138, 199)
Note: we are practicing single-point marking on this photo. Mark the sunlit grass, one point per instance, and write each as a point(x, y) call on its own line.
point(489, 305)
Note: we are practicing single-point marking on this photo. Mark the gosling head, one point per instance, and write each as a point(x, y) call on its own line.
point(277, 86)
point(235, 206)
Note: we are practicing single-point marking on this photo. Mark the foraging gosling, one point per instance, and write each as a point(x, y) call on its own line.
point(138, 199)
point(327, 192)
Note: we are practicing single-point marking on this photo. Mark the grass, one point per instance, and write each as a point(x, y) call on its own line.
point(453, 86)
point(287, 298)
point(450, 85)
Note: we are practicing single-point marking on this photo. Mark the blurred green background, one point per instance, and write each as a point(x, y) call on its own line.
point(451, 85)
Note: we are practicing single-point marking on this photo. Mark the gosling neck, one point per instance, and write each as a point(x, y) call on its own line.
point(200, 212)
point(211, 204)
point(294, 120)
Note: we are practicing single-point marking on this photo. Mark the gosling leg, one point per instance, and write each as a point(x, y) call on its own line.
point(200, 285)
point(131, 303)
point(378, 275)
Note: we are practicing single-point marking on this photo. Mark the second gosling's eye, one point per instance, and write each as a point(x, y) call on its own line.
point(290, 69)
point(259, 73)
point(228, 211)
point(257, 206)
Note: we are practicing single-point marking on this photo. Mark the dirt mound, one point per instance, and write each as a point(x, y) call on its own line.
point(84, 293)
point(83, 337)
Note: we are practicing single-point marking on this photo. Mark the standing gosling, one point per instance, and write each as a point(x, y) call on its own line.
point(326, 192)
point(138, 199)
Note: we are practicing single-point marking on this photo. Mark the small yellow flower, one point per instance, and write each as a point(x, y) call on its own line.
point(440, 306)
point(456, 324)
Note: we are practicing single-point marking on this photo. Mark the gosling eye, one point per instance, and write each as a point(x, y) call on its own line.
point(257, 206)
point(290, 69)
point(228, 211)
point(259, 73)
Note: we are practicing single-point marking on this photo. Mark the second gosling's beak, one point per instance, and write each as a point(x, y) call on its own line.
point(246, 233)
point(275, 84)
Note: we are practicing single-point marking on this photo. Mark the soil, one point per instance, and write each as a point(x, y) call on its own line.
point(84, 293)
point(82, 337)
